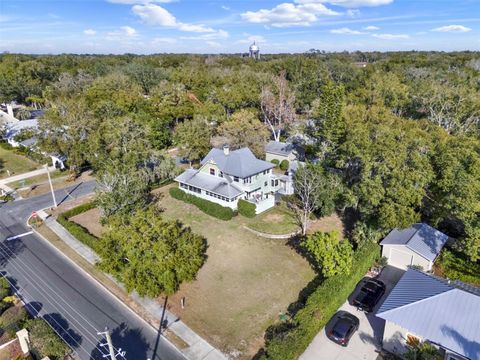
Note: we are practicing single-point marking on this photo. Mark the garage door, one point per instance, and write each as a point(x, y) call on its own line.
point(399, 258)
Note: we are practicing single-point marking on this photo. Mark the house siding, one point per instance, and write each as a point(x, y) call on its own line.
point(203, 194)
point(392, 253)
point(395, 338)
point(270, 156)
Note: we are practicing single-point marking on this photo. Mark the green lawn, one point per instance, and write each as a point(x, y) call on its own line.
point(456, 266)
point(16, 164)
point(277, 220)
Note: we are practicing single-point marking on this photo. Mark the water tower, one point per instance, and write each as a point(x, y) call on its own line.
point(254, 51)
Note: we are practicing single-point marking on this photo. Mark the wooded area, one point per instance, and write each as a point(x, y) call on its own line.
point(400, 138)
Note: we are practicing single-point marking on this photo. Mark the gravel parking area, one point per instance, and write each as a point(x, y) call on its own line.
point(366, 342)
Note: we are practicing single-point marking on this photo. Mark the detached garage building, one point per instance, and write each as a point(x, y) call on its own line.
point(418, 245)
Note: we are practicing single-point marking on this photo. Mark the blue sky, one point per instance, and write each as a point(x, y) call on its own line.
point(211, 26)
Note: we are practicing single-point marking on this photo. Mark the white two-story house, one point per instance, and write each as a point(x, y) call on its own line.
point(226, 176)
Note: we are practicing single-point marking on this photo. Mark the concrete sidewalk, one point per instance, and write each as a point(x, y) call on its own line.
point(25, 175)
point(198, 348)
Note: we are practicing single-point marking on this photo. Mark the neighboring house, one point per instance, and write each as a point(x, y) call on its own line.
point(423, 307)
point(14, 129)
point(283, 151)
point(226, 176)
point(420, 245)
point(59, 161)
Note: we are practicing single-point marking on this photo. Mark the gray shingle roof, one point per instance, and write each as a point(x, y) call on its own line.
point(17, 127)
point(421, 238)
point(283, 148)
point(210, 183)
point(442, 312)
point(241, 162)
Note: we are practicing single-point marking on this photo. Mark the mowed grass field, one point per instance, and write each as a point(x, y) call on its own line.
point(16, 164)
point(244, 284)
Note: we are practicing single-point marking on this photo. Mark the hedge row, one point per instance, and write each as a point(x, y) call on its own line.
point(79, 209)
point(208, 207)
point(319, 307)
point(246, 208)
point(78, 231)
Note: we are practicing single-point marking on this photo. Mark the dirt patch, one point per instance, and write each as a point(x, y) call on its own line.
point(273, 218)
point(326, 224)
point(90, 220)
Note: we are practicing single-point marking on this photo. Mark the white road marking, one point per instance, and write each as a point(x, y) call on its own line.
point(18, 236)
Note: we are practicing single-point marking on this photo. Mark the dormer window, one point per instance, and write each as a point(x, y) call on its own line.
point(212, 171)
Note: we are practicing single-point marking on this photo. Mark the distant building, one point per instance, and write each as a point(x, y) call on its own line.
point(254, 51)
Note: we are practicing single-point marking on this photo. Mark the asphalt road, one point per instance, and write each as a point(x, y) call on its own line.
point(74, 304)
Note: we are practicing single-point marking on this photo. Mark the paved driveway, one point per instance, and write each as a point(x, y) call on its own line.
point(366, 342)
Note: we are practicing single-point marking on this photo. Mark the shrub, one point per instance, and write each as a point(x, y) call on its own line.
point(4, 288)
point(44, 341)
point(284, 165)
point(275, 162)
point(79, 232)
point(78, 210)
point(208, 207)
point(319, 307)
point(457, 266)
point(13, 315)
point(4, 306)
point(246, 208)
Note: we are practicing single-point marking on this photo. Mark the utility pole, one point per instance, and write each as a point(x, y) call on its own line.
point(111, 350)
point(51, 186)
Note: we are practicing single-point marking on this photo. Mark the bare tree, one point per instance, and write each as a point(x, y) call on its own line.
point(277, 106)
point(313, 190)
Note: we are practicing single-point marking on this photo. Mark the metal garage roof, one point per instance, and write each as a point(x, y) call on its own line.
point(445, 313)
point(421, 238)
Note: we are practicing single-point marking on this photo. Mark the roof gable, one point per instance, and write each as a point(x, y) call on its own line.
point(241, 162)
point(421, 238)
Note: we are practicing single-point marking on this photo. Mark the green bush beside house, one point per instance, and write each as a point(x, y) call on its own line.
point(208, 207)
point(284, 165)
point(247, 208)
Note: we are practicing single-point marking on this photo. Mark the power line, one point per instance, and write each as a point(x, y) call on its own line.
point(49, 300)
point(55, 290)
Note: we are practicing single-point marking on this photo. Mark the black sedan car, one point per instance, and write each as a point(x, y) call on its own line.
point(343, 327)
point(369, 295)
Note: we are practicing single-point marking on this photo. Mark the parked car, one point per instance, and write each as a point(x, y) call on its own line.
point(369, 295)
point(344, 326)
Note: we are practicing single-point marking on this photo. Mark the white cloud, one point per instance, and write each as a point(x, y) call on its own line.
point(152, 14)
point(133, 2)
point(346, 31)
point(353, 12)
point(371, 28)
point(225, 7)
point(288, 14)
point(391, 36)
point(129, 31)
point(453, 28)
point(89, 32)
point(348, 3)
point(125, 31)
